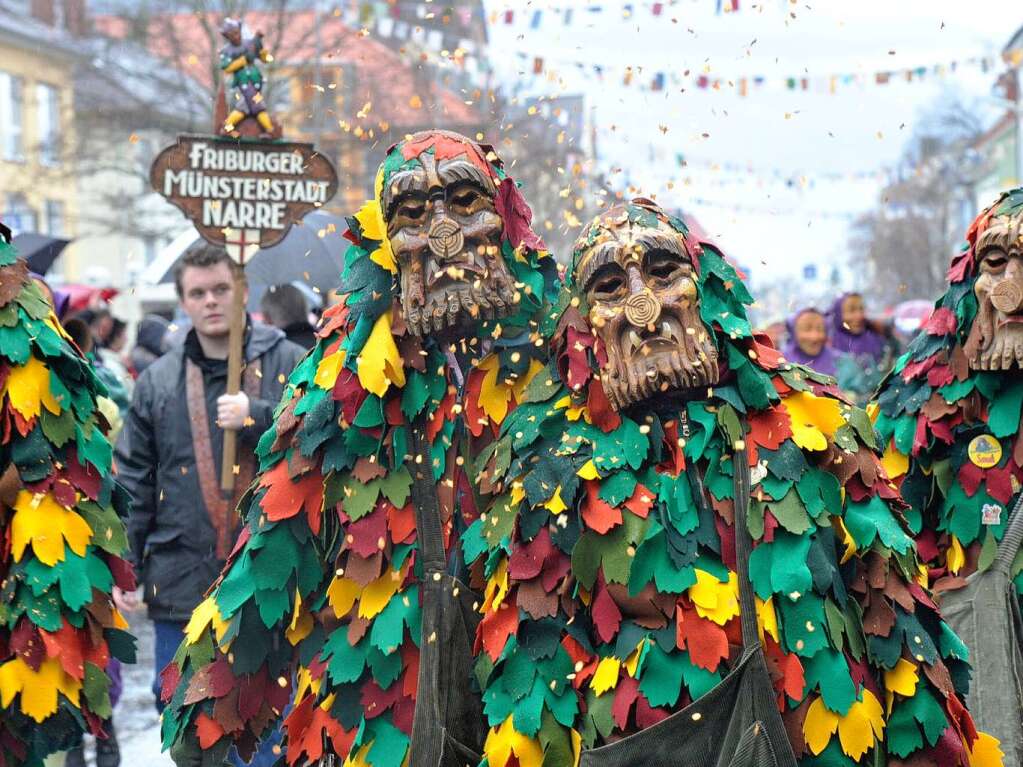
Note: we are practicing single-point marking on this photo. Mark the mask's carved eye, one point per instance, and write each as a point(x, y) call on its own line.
point(609, 283)
point(994, 261)
point(664, 266)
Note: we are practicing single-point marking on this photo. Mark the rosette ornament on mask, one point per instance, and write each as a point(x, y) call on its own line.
point(441, 208)
point(639, 279)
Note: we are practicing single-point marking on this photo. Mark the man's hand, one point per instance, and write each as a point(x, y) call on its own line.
point(125, 601)
point(232, 410)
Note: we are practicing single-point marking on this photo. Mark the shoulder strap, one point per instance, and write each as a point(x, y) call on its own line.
point(1010, 543)
point(427, 509)
point(743, 548)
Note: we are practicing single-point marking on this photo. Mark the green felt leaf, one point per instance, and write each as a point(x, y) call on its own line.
point(780, 567)
point(388, 627)
point(384, 667)
point(828, 670)
point(921, 709)
point(803, 624)
point(500, 521)
point(389, 743)
point(662, 674)
point(528, 708)
point(791, 513)
point(96, 688)
point(414, 395)
point(652, 563)
point(1003, 415)
point(345, 662)
point(59, 429)
point(867, 520)
point(555, 742)
point(618, 488)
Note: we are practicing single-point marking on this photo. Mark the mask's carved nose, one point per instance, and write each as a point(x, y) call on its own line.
point(445, 238)
point(1007, 296)
point(642, 309)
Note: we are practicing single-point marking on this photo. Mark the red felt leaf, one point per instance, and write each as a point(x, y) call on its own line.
point(496, 627)
point(605, 613)
point(85, 478)
point(442, 414)
point(706, 641)
point(526, 561)
point(251, 689)
point(475, 418)
point(793, 676)
point(647, 715)
point(769, 428)
point(999, 484)
point(375, 701)
point(208, 730)
point(674, 461)
point(640, 502)
point(123, 572)
point(66, 646)
point(25, 642)
point(768, 357)
point(392, 412)
point(401, 522)
point(602, 415)
point(576, 355)
point(170, 677)
point(970, 476)
point(367, 534)
point(285, 496)
point(941, 322)
point(940, 375)
point(517, 217)
point(598, 514)
point(348, 392)
point(625, 695)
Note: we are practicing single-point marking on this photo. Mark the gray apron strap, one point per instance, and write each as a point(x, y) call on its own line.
point(744, 548)
point(1008, 548)
point(426, 747)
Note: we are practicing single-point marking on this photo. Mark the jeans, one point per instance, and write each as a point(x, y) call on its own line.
point(169, 636)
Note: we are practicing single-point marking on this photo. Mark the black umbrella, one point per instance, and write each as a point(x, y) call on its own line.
point(312, 252)
point(39, 250)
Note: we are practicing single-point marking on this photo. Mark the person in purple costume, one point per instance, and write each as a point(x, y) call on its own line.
point(808, 341)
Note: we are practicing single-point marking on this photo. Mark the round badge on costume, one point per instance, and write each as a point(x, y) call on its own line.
point(984, 451)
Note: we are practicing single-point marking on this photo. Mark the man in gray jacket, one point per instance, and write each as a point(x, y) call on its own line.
point(181, 528)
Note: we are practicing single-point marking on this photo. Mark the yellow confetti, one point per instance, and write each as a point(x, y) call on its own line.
point(814, 419)
point(38, 688)
point(606, 676)
point(41, 521)
point(28, 387)
point(380, 363)
point(505, 741)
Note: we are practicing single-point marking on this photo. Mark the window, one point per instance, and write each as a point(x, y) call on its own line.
point(11, 88)
point(20, 216)
point(48, 106)
point(55, 218)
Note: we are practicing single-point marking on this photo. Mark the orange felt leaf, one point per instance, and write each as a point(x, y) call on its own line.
point(66, 646)
point(707, 642)
point(640, 502)
point(769, 428)
point(497, 626)
point(401, 522)
point(208, 730)
point(597, 514)
point(285, 496)
point(794, 676)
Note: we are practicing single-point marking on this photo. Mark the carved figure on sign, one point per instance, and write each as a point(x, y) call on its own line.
point(240, 58)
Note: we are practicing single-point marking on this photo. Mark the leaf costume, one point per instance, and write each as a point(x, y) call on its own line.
point(327, 582)
point(607, 559)
point(933, 406)
point(63, 532)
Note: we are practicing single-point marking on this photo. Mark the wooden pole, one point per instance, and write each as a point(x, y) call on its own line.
point(234, 379)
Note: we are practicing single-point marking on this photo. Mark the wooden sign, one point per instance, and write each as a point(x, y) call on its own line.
point(244, 195)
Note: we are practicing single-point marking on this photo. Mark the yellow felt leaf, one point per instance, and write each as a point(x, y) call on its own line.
point(606, 675)
point(564, 402)
point(341, 594)
point(818, 727)
point(520, 384)
point(955, 557)
point(379, 592)
point(505, 741)
point(371, 221)
point(902, 680)
point(328, 369)
point(497, 588)
point(41, 521)
point(494, 395)
point(814, 419)
point(327, 703)
point(202, 616)
point(360, 758)
point(632, 662)
point(38, 688)
point(555, 505)
point(588, 471)
point(767, 618)
point(873, 409)
point(847, 540)
point(895, 463)
point(305, 683)
point(713, 599)
point(518, 492)
point(119, 620)
point(862, 725)
point(380, 362)
point(301, 622)
point(985, 751)
point(28, 387)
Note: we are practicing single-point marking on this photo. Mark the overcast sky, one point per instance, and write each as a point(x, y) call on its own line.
point(763, 223)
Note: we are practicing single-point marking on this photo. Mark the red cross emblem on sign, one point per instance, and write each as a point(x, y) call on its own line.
point(241, 244)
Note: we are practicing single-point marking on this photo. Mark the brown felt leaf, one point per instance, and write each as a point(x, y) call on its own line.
point(366, 470)
point(12, 279)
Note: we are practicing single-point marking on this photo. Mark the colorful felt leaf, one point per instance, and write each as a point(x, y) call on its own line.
point(42, 522)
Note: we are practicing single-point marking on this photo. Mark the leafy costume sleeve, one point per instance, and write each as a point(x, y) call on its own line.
point(323, 587)
point(611, 599)
point(63, 533)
